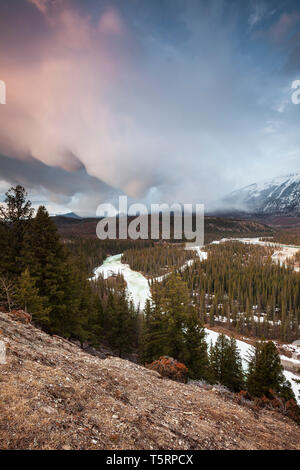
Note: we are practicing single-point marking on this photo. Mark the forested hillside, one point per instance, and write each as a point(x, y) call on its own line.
point(157, 260)
point(94, 251)
point(240, 285)
point(214, 227)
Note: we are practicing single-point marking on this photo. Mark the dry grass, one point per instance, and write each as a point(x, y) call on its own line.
point(55, 396)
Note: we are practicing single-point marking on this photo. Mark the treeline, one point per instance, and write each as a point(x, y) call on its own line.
point(240, 285)
point(172, 327)
point(210, 236)
point(157, 260)
point(284, 238)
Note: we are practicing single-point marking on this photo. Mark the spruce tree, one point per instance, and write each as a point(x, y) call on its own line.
point(27, 296)
point(154, 332)
point(59, 279)
point(226, 364)
point(235, 378)
point(176, 306)
point(121, 319)
point(265, 373)
point(196, 357)
point(15, 216)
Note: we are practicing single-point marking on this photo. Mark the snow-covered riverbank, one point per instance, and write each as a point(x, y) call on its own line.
point(137, 285)
point(139, 291)
point(281, 253)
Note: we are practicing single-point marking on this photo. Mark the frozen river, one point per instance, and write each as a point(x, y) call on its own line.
point(137, 285)
point(139, 291)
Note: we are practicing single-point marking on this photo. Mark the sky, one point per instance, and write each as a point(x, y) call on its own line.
point(163, 100)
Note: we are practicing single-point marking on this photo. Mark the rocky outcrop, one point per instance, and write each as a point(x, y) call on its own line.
point(56, 396)
point(20, 316)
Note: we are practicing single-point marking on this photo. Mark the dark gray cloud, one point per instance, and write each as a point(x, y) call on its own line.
point(164, 100)
point(75, 189)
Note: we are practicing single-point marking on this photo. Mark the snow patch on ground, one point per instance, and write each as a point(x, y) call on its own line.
point(202, 254)
point(245, 350)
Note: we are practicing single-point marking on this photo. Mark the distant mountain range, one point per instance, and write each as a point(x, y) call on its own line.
point(276, 196)
point(71, 215)
point(279, 195)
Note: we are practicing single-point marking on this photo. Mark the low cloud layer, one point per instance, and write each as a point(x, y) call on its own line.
point(163, 101)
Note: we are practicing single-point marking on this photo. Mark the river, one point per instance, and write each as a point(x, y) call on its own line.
point(138, 291)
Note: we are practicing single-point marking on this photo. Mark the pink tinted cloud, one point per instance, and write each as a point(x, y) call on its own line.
point(279, 30)
point(59, 103)
point(41, 5)
point(283, 26)
point(110, 23)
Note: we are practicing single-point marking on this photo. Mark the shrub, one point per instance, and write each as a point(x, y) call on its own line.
point(276, 403)
point(170, 368)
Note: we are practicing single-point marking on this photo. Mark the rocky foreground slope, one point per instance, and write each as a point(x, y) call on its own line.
point(55, 396)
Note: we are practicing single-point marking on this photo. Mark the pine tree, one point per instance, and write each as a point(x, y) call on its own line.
point(235, 379)
point(15, 215)
point(16, 208)
point(265, 373)
point(172, 327)
point(226, 364)
point(154, 332)
point(176, 306)
point(59, 279)
point(27, 296)
point(196, 357)
point(7, 265)
point(121, 319)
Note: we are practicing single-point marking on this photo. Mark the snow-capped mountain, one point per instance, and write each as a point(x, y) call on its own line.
point(279, 195)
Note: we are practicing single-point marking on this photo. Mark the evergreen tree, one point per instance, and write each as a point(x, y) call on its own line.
point(172, 327)
point(59, 279)
point(16, 207)
point(154, 332)
point(15, 216)
point(27, 296)
point(121, 319)
point(175, 304)
point(265, 373)
point(226, 364)
point(196, 356)
point(7, 265)
point(235, 375)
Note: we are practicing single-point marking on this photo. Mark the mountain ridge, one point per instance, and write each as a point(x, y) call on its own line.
point(279, 195)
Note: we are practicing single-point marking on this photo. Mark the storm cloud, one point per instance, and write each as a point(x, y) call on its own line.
point(164, 101)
